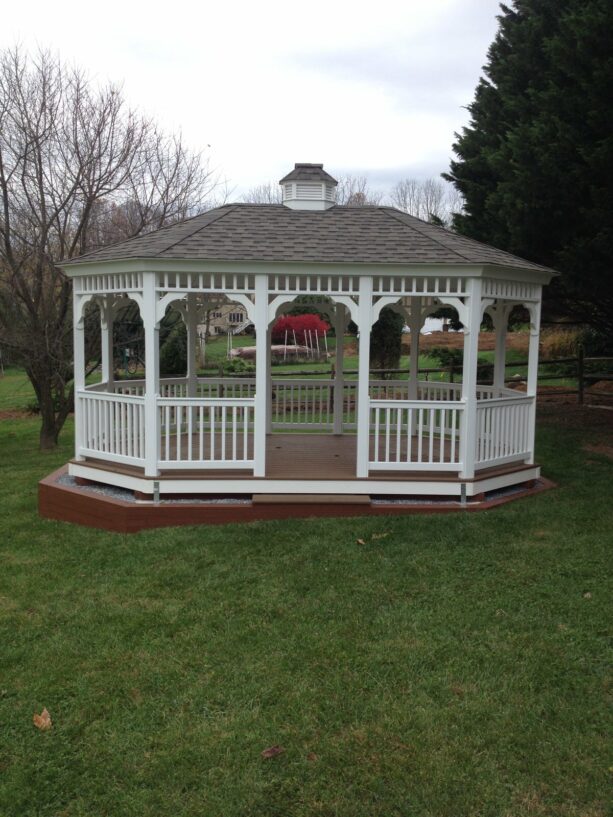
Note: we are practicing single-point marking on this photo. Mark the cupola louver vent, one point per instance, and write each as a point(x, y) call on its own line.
point(308, 187)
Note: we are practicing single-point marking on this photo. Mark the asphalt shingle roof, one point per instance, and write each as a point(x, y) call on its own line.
point(308, 173)
point(273, 232)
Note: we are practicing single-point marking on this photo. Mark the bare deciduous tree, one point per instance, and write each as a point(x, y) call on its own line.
point(267, 193)
point(429, 199)
point(78, 169)
point(354, 191)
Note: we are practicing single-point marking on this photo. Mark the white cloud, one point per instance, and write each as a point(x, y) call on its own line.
point(365, 87)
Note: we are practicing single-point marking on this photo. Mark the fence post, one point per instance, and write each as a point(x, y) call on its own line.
point(580, 373)
point(451, 372)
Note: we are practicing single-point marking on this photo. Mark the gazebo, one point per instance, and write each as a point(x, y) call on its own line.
point(266, 436)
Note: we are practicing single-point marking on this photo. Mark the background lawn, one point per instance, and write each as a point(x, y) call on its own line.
point(455, 666)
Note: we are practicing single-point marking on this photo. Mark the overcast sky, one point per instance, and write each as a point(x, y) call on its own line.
point(374, 89)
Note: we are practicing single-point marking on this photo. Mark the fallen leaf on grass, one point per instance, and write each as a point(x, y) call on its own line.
point(373, 538)
point(312, 756)
point(42, 721)
point(272, 751)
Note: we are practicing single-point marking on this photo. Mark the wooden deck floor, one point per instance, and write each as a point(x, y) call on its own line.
point(309, 456)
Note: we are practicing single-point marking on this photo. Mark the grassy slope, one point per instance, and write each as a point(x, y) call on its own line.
point(453, 667)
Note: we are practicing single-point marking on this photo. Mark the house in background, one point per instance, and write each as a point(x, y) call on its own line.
point(224, 319)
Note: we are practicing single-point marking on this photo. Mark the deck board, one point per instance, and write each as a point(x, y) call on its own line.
point(310, 456)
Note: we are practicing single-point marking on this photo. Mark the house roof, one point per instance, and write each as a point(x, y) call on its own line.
point(304, 172)
point(275, 233)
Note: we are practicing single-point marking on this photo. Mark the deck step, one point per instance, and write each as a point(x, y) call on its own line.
point(311, 499)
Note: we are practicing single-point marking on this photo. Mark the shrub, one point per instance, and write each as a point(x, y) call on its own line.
point(447, 357)
point(386, 340)
point(238, 366)
point(301, 325)
point(559, 342)
point(173, 354)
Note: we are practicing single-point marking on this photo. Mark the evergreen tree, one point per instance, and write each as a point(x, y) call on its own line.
point(535, 164)
point(386, 340)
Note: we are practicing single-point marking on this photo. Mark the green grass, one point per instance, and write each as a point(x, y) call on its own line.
point(456, 666)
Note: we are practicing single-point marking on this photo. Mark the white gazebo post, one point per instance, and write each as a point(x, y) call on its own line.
point(472, 323)
point(152, 373)
point(269, 378)
point(106, 343)
point(339, 376)
point(414, 329)
point(500, 316)
point(78, 376)
point(533, 366)
point(192, 332)
point(261, 375)
point(363, 401)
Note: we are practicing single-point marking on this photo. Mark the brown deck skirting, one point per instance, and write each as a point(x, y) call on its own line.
point(94, 510)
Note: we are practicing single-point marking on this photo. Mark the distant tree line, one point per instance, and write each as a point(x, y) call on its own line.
point(430, 199)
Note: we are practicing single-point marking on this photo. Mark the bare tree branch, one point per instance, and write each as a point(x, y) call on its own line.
point(78, 169)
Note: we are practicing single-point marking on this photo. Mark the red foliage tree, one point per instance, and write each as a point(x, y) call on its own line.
point(299, 324)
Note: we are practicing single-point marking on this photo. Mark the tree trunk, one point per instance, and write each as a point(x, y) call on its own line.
point(49, 430)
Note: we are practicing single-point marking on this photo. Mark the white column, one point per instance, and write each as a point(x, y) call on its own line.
point(78, 379)
point(468, 434)
point(261, 374)
point(339, 375)
point(269, 380)
point(192, 331)
point(533, 362)
point(415, 329)
point(500, 316)
point(152, 374)
point(106, 344)
point(363, 401)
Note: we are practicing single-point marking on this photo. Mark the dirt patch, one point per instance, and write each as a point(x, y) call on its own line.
point(517, 341)
point(566, 413)
point(15, 414)
point(600, 448)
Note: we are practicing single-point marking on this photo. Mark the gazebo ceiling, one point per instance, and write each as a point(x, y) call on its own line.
point(340, 234)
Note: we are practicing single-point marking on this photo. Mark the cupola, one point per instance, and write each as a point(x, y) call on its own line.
point(308, 187)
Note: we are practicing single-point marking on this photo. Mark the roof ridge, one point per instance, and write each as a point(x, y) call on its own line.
point(440, 243)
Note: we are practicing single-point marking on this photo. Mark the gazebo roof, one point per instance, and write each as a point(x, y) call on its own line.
point(304, 171)
point(341, 234)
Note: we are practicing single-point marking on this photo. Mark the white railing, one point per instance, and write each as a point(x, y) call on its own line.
point(205, 432)
point(301, 403)
point(503, 430)
point(414, 435)
point(112, 427)
point(132, 387)
point(232, 387)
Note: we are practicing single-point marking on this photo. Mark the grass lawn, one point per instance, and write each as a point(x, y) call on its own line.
point(456, 666)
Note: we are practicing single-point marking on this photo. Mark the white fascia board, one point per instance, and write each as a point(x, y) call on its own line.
point(520, 274)
point(456, 270)
point(270, 267)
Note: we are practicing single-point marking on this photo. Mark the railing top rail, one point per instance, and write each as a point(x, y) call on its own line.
point(493, 401)
point(206, 401)
point(111, 397)
point(417, 404)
